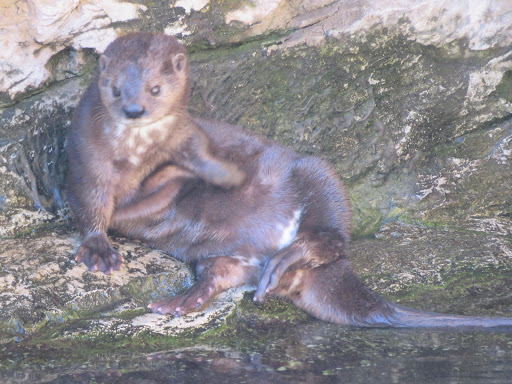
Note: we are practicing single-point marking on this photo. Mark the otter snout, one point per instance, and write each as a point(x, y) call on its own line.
point(133, 111)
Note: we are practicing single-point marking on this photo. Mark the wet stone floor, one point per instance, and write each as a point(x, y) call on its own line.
point(312, 352)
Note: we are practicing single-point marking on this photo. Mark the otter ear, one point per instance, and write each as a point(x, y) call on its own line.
point(103, 64)
point(179, 62)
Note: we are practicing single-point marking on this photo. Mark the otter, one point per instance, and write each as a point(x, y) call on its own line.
point(131, 129)
point(276, 219)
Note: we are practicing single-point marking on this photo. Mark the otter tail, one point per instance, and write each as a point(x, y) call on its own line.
point(407, 317)
point(315, 274)
point(331, 291)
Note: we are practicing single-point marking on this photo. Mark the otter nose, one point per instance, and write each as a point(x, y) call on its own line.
point(133, 111)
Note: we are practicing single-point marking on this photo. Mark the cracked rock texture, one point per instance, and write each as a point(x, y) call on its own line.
point(40, 283)
point(411, 101)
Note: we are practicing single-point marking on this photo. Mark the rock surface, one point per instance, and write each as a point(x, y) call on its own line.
point(445, 269)
point(46, 297)
point(35, 30)
point(41, 285)
point(411, 101)
point(40, 281)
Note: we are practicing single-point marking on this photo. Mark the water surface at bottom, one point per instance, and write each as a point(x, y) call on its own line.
point(315, 352)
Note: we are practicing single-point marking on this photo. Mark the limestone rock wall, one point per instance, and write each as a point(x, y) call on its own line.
point(410, 100)
point(33, 31)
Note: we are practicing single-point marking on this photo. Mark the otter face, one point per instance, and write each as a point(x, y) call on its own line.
point(141, 87)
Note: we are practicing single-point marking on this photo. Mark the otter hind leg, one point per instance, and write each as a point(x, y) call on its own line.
point(333, 292)
point(215, 275)
point(303, 252)
point(274, 269)
point(315, 275)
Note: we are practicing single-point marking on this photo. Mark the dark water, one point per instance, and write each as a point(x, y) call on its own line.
point(309, 353)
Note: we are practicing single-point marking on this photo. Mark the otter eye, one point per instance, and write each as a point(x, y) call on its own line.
point(116, 92)
point(155, 91)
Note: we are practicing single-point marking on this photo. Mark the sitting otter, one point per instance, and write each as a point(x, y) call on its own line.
point(130, 125)
point(246, 210)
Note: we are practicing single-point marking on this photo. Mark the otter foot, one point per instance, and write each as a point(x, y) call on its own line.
point(215, 274)
point(229, 176)
point(98, 255)
point(190, 301)
point(308, 250)
point(274, 268)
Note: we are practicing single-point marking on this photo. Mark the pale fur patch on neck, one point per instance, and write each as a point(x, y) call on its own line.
point(144, 133)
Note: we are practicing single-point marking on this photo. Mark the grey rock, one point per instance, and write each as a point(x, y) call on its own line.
point(40, 283)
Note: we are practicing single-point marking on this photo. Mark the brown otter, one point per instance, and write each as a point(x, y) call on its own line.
point(130, 124)
point(286, 228)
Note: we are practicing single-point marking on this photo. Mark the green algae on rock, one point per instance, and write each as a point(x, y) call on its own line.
point(451, 269)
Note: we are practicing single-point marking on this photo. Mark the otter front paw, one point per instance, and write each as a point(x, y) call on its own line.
point(98, 255)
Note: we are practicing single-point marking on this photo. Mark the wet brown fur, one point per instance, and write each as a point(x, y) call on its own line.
point(285, 229)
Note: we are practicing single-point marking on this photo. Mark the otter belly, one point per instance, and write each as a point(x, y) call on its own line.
point(216, 224)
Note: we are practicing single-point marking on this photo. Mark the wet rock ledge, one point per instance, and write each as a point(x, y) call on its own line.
point(41, 286)
point(45, 295)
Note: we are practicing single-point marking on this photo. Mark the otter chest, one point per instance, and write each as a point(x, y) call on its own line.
point(136, 145)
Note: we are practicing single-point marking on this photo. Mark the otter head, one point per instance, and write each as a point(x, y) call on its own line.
point(143, 77)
